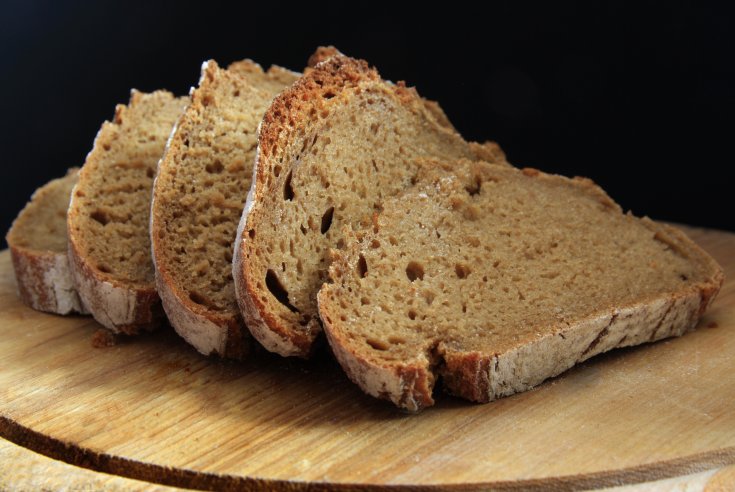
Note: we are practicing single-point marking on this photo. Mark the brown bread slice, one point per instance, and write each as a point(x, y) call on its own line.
point(198, 198)
point(109, 243)
point(330, 149)
point(38, 247)
point(495, 279)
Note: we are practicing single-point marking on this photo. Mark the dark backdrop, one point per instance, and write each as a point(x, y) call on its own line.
point(641, 99)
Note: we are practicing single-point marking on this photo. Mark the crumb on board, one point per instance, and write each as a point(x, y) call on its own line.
point(103, 338)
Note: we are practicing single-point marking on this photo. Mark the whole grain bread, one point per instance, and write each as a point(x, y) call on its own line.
point(198, 198)
point(109, 242)
point(38, 247)
point(495, 279)
point(330, 149)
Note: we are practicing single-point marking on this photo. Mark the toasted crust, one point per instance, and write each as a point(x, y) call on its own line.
point(483, 376)
point(42, 274)
point(330, 80)
point(322, 53)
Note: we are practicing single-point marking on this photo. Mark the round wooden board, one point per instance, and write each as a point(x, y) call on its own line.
point(153, 409)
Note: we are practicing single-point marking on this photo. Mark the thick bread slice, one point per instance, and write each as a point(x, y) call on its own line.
point(330, 149)
point(495, 279)
point(37, 241)
point(198, 198)
point(109, 243)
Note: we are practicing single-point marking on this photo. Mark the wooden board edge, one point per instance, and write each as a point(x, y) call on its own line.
point(190, 479)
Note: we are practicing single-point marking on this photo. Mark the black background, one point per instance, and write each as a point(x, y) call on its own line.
point(639, 98)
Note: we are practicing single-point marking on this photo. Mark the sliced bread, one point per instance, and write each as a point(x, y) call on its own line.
point(109, 243)
point(330, 149)
point(198, 198)
point(495, 279)
point(38, 246)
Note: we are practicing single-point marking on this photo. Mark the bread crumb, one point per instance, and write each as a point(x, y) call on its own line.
point(103, 338)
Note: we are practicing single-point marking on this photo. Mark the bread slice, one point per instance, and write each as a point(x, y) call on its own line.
point(198, 198)
point(330, 148)
point(109, 243)
point(37, 241)
point(495, 279)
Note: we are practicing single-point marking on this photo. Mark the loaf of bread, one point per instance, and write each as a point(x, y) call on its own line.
point(331, 148)
point(495, 279)
point(37, 242)
point(109, 242)
point(198, 198)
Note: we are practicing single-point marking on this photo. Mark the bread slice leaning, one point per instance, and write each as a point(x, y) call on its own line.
point(109, 243)
point(331, 148)
point(198, 197)
point(495, 279)
point(38, 247)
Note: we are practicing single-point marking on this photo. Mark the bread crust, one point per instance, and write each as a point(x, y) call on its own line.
point(45, 281)
point(329, 80)
point(483, 377)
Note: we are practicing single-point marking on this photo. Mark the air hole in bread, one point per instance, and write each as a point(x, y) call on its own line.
point(414, 271)
point(276, 170)
point(428, 296)
point(198, 298)
point(364, 301)
point(461, 270)
point(327, 220)
point(251, 233)
point(149, 172)
point(100, 216)
point(377, 344)
point(396, 340)
point(288, 190)
point(474, 187)
point(215, 167)
point(279, 292)
point(104, 268)
point(412, 314)
point(362, 267)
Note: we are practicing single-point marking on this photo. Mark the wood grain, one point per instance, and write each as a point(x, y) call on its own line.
point(22, 469)
point(153, 409)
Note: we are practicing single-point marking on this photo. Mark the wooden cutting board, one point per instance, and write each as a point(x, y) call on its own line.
point(153, 409)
